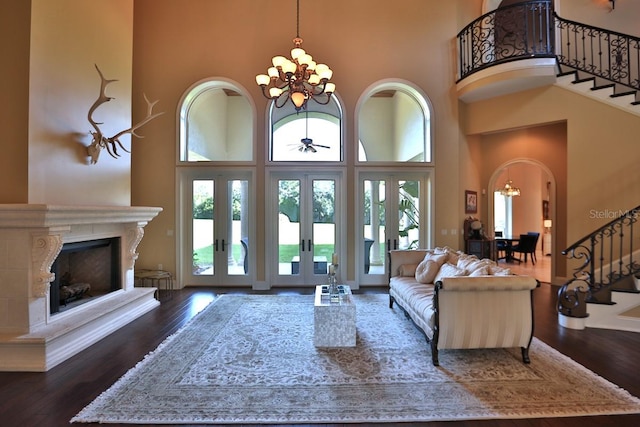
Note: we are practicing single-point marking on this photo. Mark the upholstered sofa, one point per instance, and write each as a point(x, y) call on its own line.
point(462, 302)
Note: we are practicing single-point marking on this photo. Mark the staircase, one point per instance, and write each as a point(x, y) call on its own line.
point(594, 88)
point(606, 276)
point(612, 316)
point(598, 63)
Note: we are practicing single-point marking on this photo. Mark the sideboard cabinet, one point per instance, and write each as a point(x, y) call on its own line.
point(481, 248)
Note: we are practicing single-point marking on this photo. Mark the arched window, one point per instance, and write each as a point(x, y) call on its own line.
point(394, 124)
point(213, 123)
point(313, 134)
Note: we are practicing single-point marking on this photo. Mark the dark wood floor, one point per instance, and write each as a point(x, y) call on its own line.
point(53, 398)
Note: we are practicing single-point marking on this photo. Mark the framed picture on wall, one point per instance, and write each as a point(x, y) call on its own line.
point(470, 201)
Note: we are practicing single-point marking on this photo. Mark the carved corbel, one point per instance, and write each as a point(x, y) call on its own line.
point(44, 251)
point(133, 237)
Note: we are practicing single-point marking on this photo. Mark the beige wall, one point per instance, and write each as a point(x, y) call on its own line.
point(15, 27)
point(50, 86)
point(602, 151)
point(67, 38)
point(177, 43)
point(364, 41)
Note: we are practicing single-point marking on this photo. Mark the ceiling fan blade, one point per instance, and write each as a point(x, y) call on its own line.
point(313, 150)
point(322, 146)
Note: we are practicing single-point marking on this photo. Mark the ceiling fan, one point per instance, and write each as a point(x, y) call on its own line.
point(307, 143)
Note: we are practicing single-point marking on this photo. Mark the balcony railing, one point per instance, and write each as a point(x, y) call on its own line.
point(532, 30)
point(520, 31)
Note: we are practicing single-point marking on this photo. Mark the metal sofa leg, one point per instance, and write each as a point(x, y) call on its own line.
point(525, 355)
point(434, 354)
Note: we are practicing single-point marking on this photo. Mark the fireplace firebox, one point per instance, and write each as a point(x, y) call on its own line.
point(84, 271)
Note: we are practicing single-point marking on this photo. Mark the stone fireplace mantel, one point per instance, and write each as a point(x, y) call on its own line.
point(31, 237)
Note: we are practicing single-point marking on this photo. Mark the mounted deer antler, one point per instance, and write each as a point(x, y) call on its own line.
point(111, 144)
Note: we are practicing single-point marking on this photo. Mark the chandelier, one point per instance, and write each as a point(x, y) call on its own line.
point(509, 189)
point(298, 79)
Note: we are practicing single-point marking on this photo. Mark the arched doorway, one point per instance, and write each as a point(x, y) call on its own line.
point(534, 210)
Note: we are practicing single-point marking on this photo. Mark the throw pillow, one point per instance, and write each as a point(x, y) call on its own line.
point(426, 271)
point(471, 264)
point(408, 270)
point(449, 270)
point(438, 258)
point(499, 271)
point(482, 271)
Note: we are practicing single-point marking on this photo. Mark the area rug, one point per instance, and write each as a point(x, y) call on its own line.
point(251, 359)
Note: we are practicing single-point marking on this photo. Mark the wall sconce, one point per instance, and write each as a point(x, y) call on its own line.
point(547, 224)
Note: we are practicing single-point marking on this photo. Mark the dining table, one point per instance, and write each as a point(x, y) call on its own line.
point(509, 243)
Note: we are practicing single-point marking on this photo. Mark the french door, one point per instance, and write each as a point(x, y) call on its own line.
point(304, 225)
point(215, 224)
point(394, 216)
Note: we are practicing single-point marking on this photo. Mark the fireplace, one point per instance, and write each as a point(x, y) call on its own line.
point(84, 271)
point(43, 247)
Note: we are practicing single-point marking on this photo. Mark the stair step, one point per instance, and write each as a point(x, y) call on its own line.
point(566, 73)
point(584, 80)
point(607, 86)
point(618, 95)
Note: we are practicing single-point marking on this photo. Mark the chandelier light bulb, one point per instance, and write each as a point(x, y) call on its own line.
point(298, 99)
point(262, 79)
point(278, 61)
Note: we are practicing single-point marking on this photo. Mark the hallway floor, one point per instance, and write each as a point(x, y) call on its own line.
point(541, 270)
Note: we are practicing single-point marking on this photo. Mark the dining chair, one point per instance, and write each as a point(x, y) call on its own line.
point(501, 246)
point(526, 245)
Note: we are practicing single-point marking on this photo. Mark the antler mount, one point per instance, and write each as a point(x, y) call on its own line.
point(111, 144)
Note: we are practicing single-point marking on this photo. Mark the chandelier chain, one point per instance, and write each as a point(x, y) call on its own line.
point(298, 18)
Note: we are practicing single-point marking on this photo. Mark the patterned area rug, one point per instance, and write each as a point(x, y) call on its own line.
point(250, 359)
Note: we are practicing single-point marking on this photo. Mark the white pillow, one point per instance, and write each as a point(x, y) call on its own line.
point(449, 270)
point(426, 271)
point(482, 271)
point(472, 264)
point(499, 271)
point(438, 258)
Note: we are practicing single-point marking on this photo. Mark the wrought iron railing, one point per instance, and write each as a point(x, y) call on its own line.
point(532, 30)
point(602, 53)
point(510, 33)
point(605, 259)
